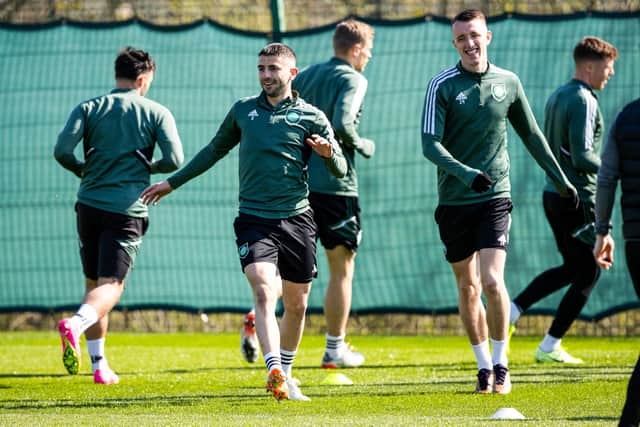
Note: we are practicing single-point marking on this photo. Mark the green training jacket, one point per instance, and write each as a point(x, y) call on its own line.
point(119, 133)
point(574, 127)
point(273, 154)
point(337, 89)
point(464, 132)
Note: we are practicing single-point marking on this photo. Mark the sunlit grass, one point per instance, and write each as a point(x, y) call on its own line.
point(200, 379)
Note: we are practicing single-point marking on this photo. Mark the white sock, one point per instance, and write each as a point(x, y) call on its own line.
point(335, 345)
point(96, 351)
point(550, 343)
point(85, 317)
point(272, 360)
point(499, 353)
point(514, 313)
point(287, 357)
point(483, 356)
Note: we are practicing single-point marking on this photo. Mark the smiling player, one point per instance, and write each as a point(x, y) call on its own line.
point(464, 132)
point(275, 232)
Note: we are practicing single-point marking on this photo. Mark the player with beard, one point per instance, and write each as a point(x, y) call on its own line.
point(275, 232)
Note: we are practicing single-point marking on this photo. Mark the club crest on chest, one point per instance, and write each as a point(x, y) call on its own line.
point(498, 91)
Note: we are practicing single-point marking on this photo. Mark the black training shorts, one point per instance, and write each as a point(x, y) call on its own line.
point(465, 229)
point(288, 243)
point(338, 220)
point(109, 242)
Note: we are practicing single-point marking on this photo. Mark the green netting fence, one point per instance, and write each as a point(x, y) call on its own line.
point(188, 259)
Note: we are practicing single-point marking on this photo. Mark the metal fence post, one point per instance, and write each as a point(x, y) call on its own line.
point(278, 21)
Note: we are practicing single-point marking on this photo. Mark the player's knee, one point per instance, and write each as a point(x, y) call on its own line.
point(589, 284)
point(340, 282)
point(265, 296)
point(296, 308)
point(469, 289)
point(586, 277)
point(492, 287)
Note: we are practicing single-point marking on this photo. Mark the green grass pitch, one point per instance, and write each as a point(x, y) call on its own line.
point(201, 379)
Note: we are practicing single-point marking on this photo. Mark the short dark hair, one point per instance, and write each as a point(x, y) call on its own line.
point(469, 15)
point(278, 49)
point(132, 62)
point(350, 32)
point(592, 48)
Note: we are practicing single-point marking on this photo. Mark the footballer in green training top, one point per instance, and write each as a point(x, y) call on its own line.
point(464, 132)
point(574, 128)
point(119, 132)
point(275, 231)
point(338, 87)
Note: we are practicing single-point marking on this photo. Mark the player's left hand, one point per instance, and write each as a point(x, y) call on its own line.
point(320, 146)
point(366, 147)
point(571, 198)
point(153, 193)
point(481, 183)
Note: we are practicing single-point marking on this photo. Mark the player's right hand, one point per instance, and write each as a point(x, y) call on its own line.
point(153, 193)
point(481, 183)
point(603, 251)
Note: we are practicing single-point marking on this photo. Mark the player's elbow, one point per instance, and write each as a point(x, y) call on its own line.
point(345, 132)
point(59, 154)
point(168, 164)
point(173, 162)
point(427, 149)
point(339, 168)
point(340, 127)
point(424, 152)
point(177, 159)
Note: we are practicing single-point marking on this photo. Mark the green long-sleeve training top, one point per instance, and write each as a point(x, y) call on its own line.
point(464, 132)
point(574, 128)
point(337, 89)
point(119, 131)
point(273, 154)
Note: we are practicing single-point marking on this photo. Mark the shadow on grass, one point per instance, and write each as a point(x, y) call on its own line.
point(214, 369)
point(19, 375)
point(260, 366)
point(611, 419)
point(241, 398)
point(562, 375)
point(529, 373)
point(117, 402)
point(399, 366)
